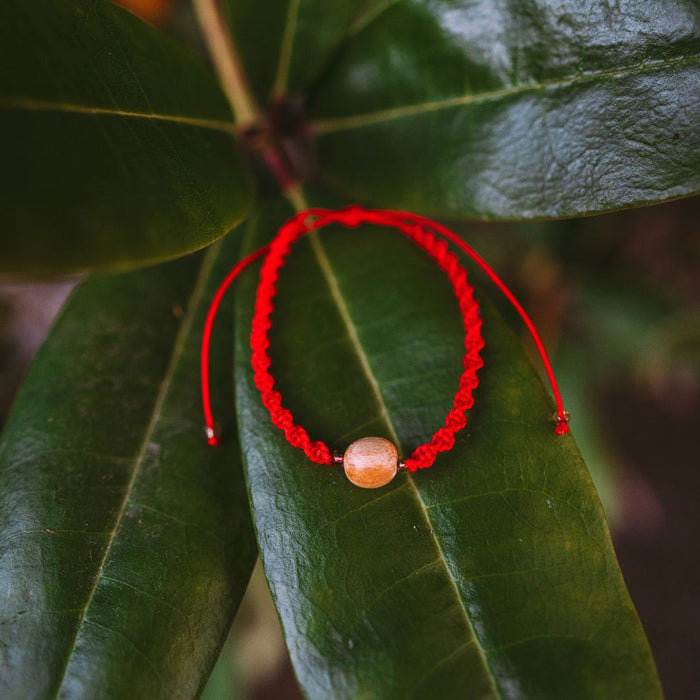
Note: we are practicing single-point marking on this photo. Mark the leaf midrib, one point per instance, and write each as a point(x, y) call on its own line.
point(180, 339)
point(336, 124)
point(286, 49)
point(344, 312)
point(33, 105)
point(336, 294)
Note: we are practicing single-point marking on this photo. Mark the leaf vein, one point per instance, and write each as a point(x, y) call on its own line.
point(336, 124)
point(368, 504)
point(165, 603)
point(368, 16)
point(444, 660)
point(416, 573)
point(286, 48)
point(134, 646)
point(351, 329)
point(32, 105)
point(487, 494)
point(534, 638)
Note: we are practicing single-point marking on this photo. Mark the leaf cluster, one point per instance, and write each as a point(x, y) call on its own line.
point(125, 542)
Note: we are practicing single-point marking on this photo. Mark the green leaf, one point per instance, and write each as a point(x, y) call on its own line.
point(489, 575)
point(126, 542)
point(511, 110)
point(118, 147)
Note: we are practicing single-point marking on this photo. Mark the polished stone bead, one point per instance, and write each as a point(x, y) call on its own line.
point(371, 462)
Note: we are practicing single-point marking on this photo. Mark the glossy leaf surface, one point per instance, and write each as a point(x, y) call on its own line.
point(126, 542)
point(118, 147)
point(491, 109)
point(490, 574)
point(515, 110)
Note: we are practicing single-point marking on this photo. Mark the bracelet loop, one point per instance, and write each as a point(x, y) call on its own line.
point(311, 220)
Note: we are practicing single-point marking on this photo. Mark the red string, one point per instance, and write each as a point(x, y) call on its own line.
point(212, 437)
point(422, 232)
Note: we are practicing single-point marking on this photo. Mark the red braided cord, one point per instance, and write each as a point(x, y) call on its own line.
point(414, 227)
point(424, 455)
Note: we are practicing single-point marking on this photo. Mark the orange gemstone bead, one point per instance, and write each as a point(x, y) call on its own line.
point(371, 462)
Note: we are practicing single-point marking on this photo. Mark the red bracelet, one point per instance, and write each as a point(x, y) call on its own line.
point(369, 462)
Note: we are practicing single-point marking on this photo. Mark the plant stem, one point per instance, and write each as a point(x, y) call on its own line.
point(227, 63)
point(275, 161)
point(229, 68)
point(295, 195)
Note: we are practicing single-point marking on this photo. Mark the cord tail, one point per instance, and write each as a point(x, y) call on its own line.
point(210, 429)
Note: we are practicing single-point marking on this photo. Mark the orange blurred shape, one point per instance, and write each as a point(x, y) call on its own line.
point(153, 11)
